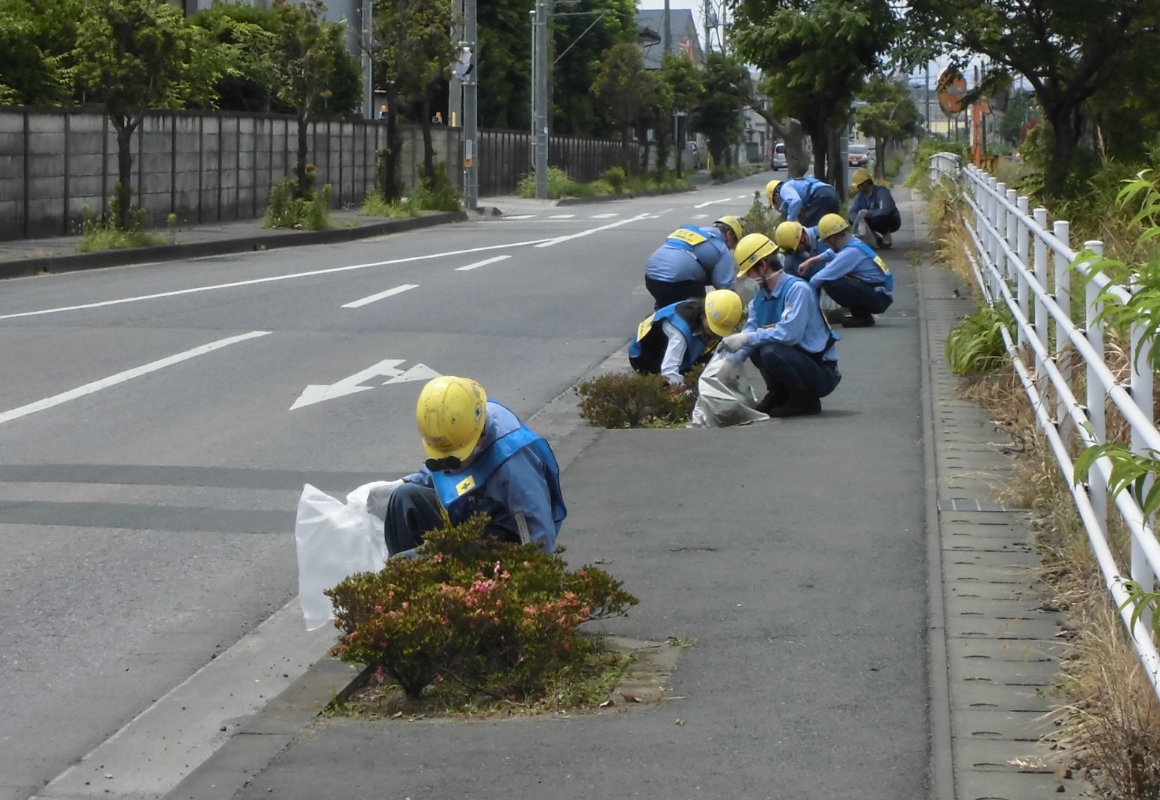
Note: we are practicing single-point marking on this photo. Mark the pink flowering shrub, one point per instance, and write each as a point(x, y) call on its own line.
point(495, 618)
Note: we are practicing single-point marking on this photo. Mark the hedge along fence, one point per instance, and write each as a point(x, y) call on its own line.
point(506, 156)
point(202, 166)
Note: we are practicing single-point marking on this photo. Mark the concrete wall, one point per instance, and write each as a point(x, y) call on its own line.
point(202, 166)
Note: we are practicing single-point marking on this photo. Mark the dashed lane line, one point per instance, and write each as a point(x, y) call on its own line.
point(483, 263)
point(406, 287)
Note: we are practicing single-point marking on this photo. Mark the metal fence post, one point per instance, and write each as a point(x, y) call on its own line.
point(1097, 489)
point(1062, 293)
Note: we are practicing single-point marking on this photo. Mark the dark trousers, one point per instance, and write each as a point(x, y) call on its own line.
point(411, 512)
point(787, 369)
point(888, 223)
point(666, 293)
point(860, 298)
point(822, 200)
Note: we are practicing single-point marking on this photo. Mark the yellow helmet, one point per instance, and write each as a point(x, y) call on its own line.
point(750, 250)
point(722, 311)
point(861, 175)
point(830, 225)
point(732, 223)
point(451, 414)
point(770, 188)
point(788, 236)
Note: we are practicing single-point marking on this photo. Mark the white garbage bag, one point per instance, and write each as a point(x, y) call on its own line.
point(336, 540)
point(724, 395)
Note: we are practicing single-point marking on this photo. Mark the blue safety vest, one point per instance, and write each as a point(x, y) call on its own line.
point(694, 344)
point(454, 488)
point(764, 319)
point(887, 277)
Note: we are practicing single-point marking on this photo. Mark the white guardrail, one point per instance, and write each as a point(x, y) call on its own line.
point(1019, 261)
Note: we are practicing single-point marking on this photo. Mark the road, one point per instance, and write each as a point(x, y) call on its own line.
point(157, 424)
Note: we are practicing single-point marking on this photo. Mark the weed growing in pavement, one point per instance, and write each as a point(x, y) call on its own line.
point(103, 233)
point(759, 219)
point(477, 618)
point(631, 400)
point(285, 210)
point(376, 206)
point(976, 344)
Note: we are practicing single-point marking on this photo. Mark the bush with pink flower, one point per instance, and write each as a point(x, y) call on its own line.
point(494, 618)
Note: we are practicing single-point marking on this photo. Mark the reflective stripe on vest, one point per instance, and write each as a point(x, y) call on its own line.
point(453, 488)
point(888, 278)
point(685, 237)
point(694, 344)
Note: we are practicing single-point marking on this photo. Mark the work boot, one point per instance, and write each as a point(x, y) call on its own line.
point(800, 404)
point(776, 395)
point(859, 319)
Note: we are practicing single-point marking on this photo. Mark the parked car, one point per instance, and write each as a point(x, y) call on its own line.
point(857, 156)
point(779, 160)
point(692, 155)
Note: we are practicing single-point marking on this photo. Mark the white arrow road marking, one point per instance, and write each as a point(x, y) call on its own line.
point(562, 216)
point(121, 377)
point(519, 216)
point(483, 263)
point(388, 293)
point(588, 232)
point(602, 216)
point(711, 202)
point(316, 393)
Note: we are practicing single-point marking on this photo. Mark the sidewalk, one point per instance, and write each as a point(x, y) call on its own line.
point(26, 257)
point(864, 624)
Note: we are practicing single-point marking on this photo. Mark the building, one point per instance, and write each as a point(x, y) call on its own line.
point(650, 23)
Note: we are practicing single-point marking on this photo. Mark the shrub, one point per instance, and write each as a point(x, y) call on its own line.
point(976, 343)
point(559, 184)
point(616, 178)
point(103, 233)
point(436, 192)
point(285, 210)
point(376, 206)
point(496, 618)
point(759, 218)
point(631, 400)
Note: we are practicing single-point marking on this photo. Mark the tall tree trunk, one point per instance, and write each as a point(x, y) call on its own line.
point(680, 145)
point(625, 160)
point(1066, 125)
point(428, 147)
point(123, 191)
point(300, 168)
point(391, 188)
point(820, 146)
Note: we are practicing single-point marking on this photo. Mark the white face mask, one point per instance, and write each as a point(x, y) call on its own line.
point(751, 285)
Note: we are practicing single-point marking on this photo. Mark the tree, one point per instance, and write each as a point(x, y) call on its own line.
point(888, 116)
point(580, 33)
point(1068, 51)
point(313, 69)
point(718, 115)
point(685, 85)
point(625, 90)
point(37, 39)
point(134, 55)
point(249, 40)
point(413, 53)
point(1020, 108)
point(814, 55)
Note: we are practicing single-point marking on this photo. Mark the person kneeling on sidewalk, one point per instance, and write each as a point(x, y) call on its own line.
point(481, 459)
point(786, 336)
point(680, 335)
point(873, 212)
point(850, 272)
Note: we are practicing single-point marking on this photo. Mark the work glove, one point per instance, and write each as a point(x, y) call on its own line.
point(735, 342)
point(379, 495)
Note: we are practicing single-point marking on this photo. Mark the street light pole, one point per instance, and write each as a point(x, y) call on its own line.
point(540, 73)
point(470, 108)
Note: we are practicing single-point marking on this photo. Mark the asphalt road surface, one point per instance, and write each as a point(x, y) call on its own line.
point(157, 424)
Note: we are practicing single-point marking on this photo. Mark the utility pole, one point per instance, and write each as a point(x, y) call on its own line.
point(667, 33)
point(367, 36)
point(540, 80)
point(470, 80)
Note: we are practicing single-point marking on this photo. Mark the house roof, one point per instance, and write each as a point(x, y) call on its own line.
point(650, 23)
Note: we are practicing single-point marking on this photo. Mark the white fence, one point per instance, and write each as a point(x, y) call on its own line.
point(1021, 262)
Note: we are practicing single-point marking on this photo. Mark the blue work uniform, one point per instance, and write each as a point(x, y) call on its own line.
point(790, 342)
point(791, 261)
point(807, 200)
point(690, 259)
point(646, 351)
point(513, 478)
point(855, 277)
point(881, 211)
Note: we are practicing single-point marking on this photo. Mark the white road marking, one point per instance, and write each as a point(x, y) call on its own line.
point(272, 279)
point(699, 216)
point(316, 393)
point(602, 216)
point(483, 263)
point(711, 202)
point(121, 377)
point(406, 287)
point(562, 216)
point(588, 232)
point(518, 216)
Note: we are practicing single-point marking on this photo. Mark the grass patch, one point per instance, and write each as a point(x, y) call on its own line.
point(375, 206)
point(310, 213)
point(99, 234)
point(614, 182)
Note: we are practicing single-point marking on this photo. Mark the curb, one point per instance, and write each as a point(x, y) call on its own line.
point(30, 267)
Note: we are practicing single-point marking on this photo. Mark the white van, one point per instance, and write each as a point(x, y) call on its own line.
point(779, 160)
